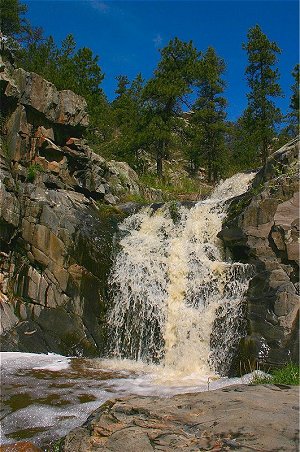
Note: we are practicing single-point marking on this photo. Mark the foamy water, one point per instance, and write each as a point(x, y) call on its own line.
point(175, 314)
point(171, 285)
point(46, 396)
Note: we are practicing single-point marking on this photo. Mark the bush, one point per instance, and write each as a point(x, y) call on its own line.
point(32, 171)
point(287, 375)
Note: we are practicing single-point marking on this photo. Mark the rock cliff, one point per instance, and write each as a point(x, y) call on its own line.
point(55, 232)
point(263, 229)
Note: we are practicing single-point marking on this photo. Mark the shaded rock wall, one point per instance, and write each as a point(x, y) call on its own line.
point(55, 233)
point(263, 229)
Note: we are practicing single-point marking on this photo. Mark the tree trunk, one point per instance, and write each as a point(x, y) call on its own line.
point(159, 160)
point(265, 151)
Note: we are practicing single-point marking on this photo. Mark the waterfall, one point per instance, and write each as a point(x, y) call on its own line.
point(176, 299)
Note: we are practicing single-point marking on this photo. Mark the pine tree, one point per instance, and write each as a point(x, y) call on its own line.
point(123, 83)
point(164, 95)
point(242, 147)
point(11, 20)
point(126, 117)
point(123, 102)
point(294, 104)
point(208, 119)
point(263, 83)
point(39, 55)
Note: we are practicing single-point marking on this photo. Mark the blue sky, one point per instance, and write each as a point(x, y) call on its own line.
point(127, 34)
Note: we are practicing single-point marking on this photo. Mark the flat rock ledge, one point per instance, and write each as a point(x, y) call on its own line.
point(260, 418)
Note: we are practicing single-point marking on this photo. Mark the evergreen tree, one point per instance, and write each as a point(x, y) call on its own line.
point(126, 113)
point(40, 56)
point(11, 20)
point(66, 67)
point(123, 83)
point(242, 147)
point(164, 95)
point(122, 104)
point(208, 119)
point(136, 88)
point(294, 104)
point(263, 83)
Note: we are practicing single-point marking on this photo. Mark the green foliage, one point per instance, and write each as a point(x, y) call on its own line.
point(149, 116)
point(294, 105)
point(134, 197)
point(5, 150)
point(66, 67)
point(293, 117)
point(165, 93)
point(208, 120)
point(287, 375)
point(174, 190)
point(33, 171)
point(69, 68)
point(174, 211)
point(11, 20)
point(242, 146)
point(261, 114)
point(126, 116)
point(107, 211)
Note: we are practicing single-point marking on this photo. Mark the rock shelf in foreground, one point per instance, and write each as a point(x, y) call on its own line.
point(239, 417)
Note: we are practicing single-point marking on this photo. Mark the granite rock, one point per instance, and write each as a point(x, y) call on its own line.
point(263, 229)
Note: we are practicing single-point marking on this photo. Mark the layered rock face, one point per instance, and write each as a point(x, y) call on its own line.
point(263, 229)
point(55, 238)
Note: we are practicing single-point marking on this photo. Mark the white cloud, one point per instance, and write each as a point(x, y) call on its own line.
point(100, 6)
point(157, 40)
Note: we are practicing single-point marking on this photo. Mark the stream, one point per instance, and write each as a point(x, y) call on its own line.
point(175, 320)
point(43, 397)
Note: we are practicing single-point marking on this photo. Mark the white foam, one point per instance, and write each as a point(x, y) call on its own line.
point(170, 282)
point(51, 361)
point(63, 401)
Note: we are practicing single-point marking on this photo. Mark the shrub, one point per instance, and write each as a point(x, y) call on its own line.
point(32, 171)
point(287, 375)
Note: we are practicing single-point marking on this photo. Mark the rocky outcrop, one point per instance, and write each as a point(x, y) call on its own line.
point(263, 229)
point(237, 417)
point(55, 231)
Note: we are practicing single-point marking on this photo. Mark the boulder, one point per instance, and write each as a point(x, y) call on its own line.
point(59, 107)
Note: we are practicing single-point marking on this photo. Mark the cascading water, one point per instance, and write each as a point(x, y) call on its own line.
point(176, 313)
point(176, 299)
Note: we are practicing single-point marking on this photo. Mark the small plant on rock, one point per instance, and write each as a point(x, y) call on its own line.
point(174, 212)
point(287, 375)
point(32, 171)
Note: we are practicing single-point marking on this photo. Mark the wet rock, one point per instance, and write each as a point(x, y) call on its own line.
point(22, 446)
point(201, 421)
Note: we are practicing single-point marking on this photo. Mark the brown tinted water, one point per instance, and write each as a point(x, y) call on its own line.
point(43, 397)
